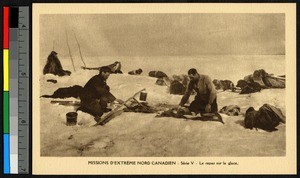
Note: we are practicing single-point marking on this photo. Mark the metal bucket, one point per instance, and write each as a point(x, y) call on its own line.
point(71, 118)
point(143, 96)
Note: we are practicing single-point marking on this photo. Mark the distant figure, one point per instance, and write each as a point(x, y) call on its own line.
point(115, 67)
point(53, 66)
point(206, 98)
point(157, 74)
point(135, 72)
point(96, 95)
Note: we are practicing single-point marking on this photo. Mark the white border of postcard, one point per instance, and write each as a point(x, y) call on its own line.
point(246, 165)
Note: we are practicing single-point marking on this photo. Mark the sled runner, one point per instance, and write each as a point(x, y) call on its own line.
point(66, 103)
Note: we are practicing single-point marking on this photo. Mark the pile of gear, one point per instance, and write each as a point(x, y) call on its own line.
point(185, 113)
point(260, 79)
point(137, 106)
point(268, 117)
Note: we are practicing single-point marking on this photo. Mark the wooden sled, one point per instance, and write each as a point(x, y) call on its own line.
point(116, 110)
point(90, 68)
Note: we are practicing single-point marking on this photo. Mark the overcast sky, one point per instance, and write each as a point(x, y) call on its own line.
point(164, 34)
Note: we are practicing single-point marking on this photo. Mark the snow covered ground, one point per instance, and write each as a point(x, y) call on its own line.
point(139, 134)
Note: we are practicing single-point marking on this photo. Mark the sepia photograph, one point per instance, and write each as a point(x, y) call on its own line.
point(160, 84)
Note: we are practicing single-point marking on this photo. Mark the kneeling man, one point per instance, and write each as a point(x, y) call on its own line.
point(96, 94)
point(206, 97)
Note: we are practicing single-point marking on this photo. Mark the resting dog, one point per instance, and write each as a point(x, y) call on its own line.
point(177, 88)
point(177, 83)
point(184, 79)
point(231, 110)
point(135, 72)
point(248, 87)
point(157, 74)
point(67, 92)
point(224, 85)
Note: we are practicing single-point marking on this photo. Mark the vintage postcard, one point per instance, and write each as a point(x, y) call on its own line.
point(164, 88)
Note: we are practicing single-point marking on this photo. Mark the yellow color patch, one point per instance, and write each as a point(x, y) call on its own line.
point(5, 70)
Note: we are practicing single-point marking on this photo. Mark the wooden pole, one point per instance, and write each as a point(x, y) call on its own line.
point(70, 50)
point(79, 49)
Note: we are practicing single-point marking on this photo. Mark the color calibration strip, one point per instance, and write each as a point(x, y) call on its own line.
point(6, 144)
point(16, 90)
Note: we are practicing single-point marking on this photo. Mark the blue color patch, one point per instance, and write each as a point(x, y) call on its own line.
point(6, 155)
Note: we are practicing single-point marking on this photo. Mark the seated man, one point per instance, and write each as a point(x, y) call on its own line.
point(206, 97)
point(96, 94)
